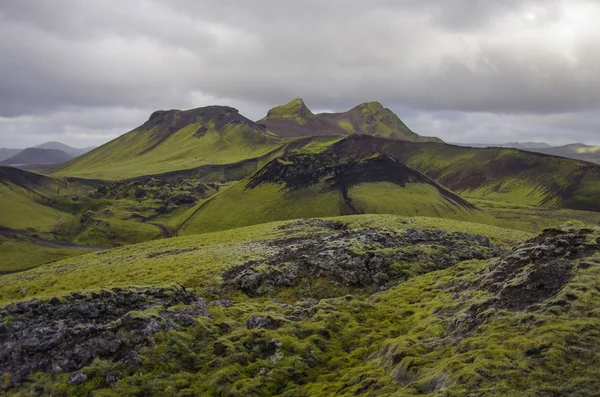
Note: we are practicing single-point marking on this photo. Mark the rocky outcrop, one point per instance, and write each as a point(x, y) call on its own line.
point(356, 258)
point(537, 269)
point(64, 335)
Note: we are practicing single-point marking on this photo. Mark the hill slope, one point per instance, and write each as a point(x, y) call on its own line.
point(502, 174)
point(294, 119)
point(304, 185)
point(175, 140)
point(38, 156)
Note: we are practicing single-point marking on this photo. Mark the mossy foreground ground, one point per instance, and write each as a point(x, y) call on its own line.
point(371, 305)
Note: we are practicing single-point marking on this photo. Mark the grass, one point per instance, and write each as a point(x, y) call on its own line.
point(294, 110)
point(192, 261)
point(240, 206)
point(531, 218)
point(417, 338)
point(127, 156)
point(18, 255)
point(501, 174)
point(20, 209)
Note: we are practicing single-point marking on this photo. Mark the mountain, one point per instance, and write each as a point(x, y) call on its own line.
point(305, 185)
point(514, 145)
point(174, 140)
point(74, 152)
point(578, 151)
point(294, 119)
point(8, 153)
point(502, 174)
point(38, 156)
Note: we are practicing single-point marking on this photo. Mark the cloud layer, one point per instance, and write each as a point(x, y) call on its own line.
point(483, 71)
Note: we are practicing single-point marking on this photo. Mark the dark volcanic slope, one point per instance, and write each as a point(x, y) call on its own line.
point(501, 173)
point(302, 171)
point(325, 185)
point(38, 156)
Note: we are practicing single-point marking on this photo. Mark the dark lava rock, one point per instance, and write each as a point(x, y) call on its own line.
point(537, 269)
point(111, 378)
point(356, 258)
point(64, 335)
point(263, 322)
point(77, 378)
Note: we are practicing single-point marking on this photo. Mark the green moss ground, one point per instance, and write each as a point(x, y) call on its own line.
point(126, 157)
point(414, 339)
point(18, 255)
point(192, 261)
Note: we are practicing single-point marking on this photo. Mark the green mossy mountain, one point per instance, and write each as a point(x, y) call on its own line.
point(502, 174)
point(306, 185)
point(294, 119)
point(174, 140)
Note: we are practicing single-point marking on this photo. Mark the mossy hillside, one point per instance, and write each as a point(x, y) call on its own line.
point(294, 119)
point(197, 260)
point(175, 140)
point(304, 186)
point(20, 254)
point(372, 118)
point(21, 209)
point(502, 174)
point(294, 110)
point(532, 218)
point(439, 334)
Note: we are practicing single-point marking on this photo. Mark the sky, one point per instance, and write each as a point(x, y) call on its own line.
point(84, 72)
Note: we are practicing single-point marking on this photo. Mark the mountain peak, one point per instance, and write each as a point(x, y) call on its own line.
point(295, 110)
point(372, 106)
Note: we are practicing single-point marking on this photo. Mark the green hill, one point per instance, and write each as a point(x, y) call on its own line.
point(501, 174)
point(294, 119)
point(175, 140)
point(305, 185)
point(366, 305)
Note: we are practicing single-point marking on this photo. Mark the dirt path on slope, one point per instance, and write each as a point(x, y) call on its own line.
point(48, 243)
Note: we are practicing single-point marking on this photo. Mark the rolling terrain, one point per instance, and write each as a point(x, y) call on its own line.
point(371, 305)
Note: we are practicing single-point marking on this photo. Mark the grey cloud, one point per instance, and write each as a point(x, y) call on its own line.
point(515, 59)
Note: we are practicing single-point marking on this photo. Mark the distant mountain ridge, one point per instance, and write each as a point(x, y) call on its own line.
point(295, 119)
point(578, 151)
point(8, 153)
point(38, 156)
point(65, 148)
point(43, 157)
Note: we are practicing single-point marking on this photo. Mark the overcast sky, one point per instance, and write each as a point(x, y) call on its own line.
point(83, 72)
